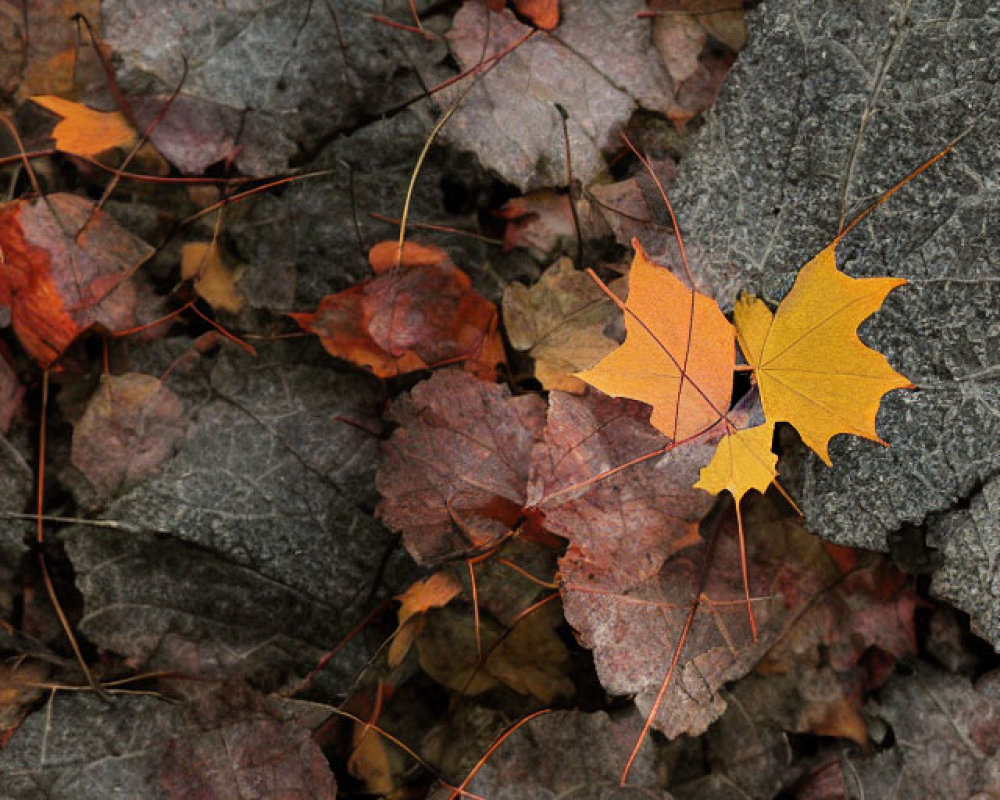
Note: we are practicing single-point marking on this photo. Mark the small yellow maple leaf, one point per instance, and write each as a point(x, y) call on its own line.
point(677, 355)
point(85, 132)
point(438, 590)
point(742, 461)
point(812, 369)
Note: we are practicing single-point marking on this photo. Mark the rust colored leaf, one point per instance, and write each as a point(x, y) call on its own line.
point(634, 632)
point(423, 314)
point(258, 757)
point(677, 356)
point(83, 131)
point(561, 322)
point(57, 283)
point(463, 448)
point(543, 13)
point(131, 425)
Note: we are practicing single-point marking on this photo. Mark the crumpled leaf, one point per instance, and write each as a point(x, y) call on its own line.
point(84, 131)
point(622, 528)
point(436, 591)
point(811, 368)
point(131, 425)
point(463, 447)
point(58, 283)
point(946, 734)
point(817, 166)
point(677, 356)
point(599, 66)
point(560, 321)
point(742, 461)
point(421, 314)
point(214, 280)
point(569, 754)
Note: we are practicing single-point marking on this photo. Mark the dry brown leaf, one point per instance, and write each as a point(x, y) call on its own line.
point(560, 321)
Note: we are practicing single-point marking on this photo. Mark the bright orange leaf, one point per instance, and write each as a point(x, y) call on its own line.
point(812, 369)
point(422, 313)
point(677, 356)
point(85, 132)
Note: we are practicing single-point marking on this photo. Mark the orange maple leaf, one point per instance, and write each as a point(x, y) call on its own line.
point(85, 132)
point(677, 356)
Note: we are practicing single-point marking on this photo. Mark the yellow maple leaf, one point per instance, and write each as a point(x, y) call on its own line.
point(742, 461)
point(812, 369)
point(85, 132)
point(677, 355)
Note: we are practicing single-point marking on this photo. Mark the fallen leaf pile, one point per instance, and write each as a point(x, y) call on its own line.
point(370, 430)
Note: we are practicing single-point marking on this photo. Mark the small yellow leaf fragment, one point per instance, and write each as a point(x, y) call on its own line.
point(438, 590)
point(85, 132)
point(812, 369)
point(742, 461)
point(213, 279)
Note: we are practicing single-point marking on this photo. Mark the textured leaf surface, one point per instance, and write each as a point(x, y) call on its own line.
point(677, 355)
point(569, 754)
point(263, 513)
point(599, 65)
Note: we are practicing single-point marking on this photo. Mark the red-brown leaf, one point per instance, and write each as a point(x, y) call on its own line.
point(622, 528)
point(462, 450)
point(422, 314)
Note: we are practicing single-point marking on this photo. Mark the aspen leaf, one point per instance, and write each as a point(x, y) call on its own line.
point(742, 461)
point(214, 280)
point(677, 355)
point(812, 369)
point(84, 131)
point(437, 591)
